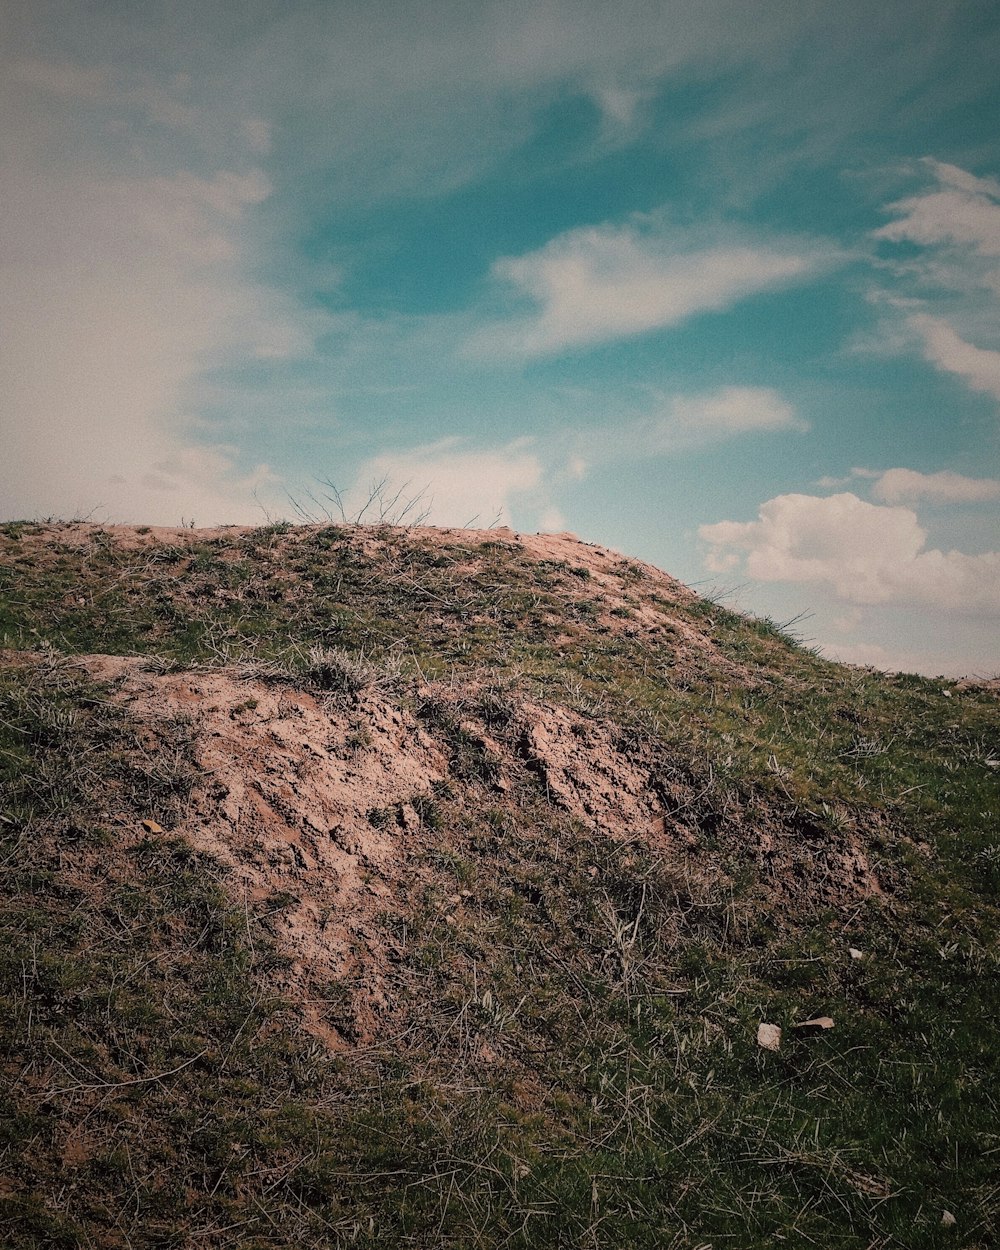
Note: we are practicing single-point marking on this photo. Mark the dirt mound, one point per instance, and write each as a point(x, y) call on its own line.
point(376, 886)
point(326, 812)
point(540, 683)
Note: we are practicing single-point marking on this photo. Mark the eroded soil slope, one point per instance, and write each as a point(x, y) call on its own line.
point(332, 813)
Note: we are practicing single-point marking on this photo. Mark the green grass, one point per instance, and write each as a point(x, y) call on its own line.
point(572, 1058)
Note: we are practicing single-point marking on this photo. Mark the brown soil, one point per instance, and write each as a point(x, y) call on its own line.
point(318, 808)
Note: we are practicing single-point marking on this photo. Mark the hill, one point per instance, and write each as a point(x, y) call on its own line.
point(373, 886)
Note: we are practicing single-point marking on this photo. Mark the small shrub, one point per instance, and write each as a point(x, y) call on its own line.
point(496, 708)
point(340, 672)
point(358, 739)
point(428, 810)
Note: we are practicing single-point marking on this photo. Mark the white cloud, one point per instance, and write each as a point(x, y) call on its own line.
point(398, 97)
point(129, 245)
point(597, 284)
point(735, 410)
point(188, 479)
point(942, 346)
point(953, 176)
point(618, 104)
point(258, 135)
point(454, 484)
point(118, 293)
point(848, 621)
point(906, 485)
point(955, 224)
point(965, 212)
point(677, 423)
point(415, 98)
point(835, 483)
point(866, 553)
point(180, 216)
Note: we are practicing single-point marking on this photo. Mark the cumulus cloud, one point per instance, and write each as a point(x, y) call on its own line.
point(866, 553)
point(452, 483)
point(906, 485)
point(598, 284)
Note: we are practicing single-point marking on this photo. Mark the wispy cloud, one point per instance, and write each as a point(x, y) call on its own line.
point(962, 209)
point(946, 350)
point(947, 278)
point(678, 423)
point(901, 485)
point(907, 486)
point(391, 100)
point(733, 410)
point(598, 284)
point(456, 480)
point(867, 554)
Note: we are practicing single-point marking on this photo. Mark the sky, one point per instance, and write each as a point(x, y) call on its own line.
point(714, 284)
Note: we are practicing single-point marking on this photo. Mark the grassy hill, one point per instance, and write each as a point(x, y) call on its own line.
point(376, 887)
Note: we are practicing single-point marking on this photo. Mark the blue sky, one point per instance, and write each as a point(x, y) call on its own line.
point(715, 284)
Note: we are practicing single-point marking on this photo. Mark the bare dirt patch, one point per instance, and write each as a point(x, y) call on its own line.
point(322, 811)
point(299, 798)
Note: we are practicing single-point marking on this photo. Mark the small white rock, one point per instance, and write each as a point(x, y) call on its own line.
point(948, 1220)
point(855, 953)
point(768, 1036)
